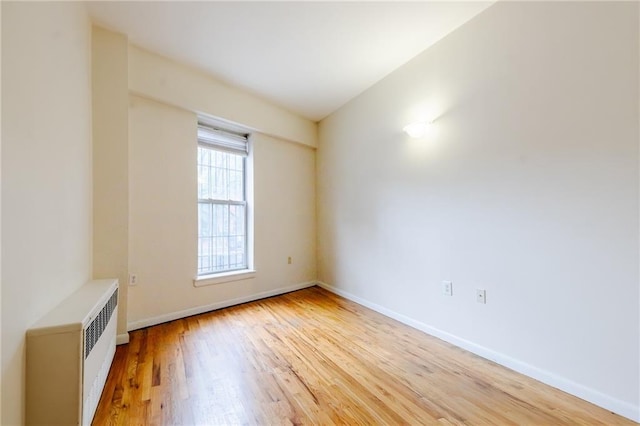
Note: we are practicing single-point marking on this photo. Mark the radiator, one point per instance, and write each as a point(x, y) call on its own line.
point(69, 353)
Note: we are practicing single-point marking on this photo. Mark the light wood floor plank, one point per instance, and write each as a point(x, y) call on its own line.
point(311, 357)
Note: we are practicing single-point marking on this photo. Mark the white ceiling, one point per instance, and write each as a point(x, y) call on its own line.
point(308, 57)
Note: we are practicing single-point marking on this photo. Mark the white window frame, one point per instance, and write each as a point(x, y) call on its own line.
point(212, 136)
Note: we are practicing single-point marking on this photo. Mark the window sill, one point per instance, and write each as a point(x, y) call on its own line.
point(224, 277)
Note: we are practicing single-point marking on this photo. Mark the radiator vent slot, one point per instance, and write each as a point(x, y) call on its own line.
point(96, 328)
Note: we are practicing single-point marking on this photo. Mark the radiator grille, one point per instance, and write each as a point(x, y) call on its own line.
point(99, 323)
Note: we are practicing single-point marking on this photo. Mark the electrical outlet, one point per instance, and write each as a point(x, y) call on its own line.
point(481, 296)
point(133, 279)
point(289, 261)
point(447, 288)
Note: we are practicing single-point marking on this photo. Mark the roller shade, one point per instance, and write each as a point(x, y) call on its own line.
point(223, 139)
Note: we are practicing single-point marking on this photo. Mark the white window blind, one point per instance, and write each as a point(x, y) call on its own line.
point(223, 139)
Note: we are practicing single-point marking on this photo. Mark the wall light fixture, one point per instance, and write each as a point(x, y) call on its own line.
point(416, 129)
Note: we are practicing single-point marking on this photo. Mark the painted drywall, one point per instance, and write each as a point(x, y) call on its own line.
point(46, 172)
point(110, 101)
point(152, 153)
point(163, 216)
point(284, 206)
point(0, 210)
point(156, 77)
point(526, 186)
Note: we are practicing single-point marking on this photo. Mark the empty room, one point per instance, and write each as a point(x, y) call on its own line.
point(272, 213)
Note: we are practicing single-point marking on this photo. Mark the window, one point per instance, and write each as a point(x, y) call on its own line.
point(223, 240)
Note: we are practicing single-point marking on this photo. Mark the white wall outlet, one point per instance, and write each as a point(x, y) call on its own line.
point(133, 279)
point(447, 288)
point(481, 295)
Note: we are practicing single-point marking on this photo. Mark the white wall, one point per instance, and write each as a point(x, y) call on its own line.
point(526, 187)
point(159, 78)
point(163, 238)
point(110, 102)
point(285, 212)
point(158, 153)
point(163, 217)
point(0, 208)
point(46, 173)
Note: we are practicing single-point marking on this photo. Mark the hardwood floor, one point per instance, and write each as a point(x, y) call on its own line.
point(311, 357)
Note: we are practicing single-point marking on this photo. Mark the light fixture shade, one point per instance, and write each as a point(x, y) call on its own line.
point(416, 129)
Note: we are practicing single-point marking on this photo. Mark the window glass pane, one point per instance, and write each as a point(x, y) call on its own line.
point(222, 239)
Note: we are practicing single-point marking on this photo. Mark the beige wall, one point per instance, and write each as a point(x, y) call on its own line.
point(0, 210)
point(46, 173)
point(165, 100)
point(285, 217)
point(163, 217)
point(110, 79)
point(163, 208)
point(143, 207)
point(145, 183)
point(526, 187)
point(156, 77)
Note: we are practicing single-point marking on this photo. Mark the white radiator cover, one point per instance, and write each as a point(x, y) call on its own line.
point(69, 353)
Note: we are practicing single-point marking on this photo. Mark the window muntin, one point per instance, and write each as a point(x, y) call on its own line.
point(222, 204)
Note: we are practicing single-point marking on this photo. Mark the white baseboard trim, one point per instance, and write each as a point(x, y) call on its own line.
point(122, 339)
point(134, 325)
point(591, 395)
